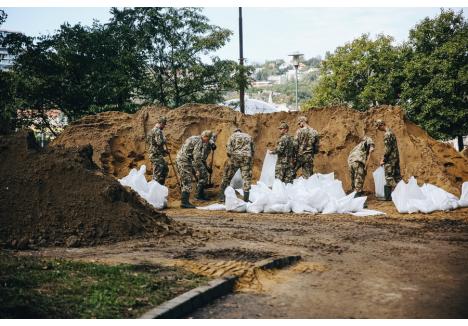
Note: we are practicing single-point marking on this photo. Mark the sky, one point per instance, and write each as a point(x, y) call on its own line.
point(269, 33)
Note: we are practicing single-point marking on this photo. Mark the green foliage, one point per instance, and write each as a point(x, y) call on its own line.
point(361, 74)
point(436, 75)
point(155, 55)
point(33, 288)
point(173, 41)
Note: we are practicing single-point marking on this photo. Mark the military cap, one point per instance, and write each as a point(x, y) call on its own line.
point(162, 120)
point(283, 125)
point(379, 123)
point(207, 133)
point(302, 119)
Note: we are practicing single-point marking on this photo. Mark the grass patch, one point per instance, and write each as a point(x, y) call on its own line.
point(42, 288)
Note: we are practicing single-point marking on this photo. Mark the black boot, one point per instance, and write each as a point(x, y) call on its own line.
point(184, 200)
point(246, 196)
point(201, 193)
point(388, 193)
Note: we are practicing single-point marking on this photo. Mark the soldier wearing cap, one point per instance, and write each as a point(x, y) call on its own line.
point(189, 160)
point(157, 151)
point(390, 159)
point(307, 140)
point(240, 152)
point(357, 164)
point(286, 151)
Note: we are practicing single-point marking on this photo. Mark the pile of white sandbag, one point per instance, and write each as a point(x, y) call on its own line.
point(321, 193)
point(411, 198)
point(152, 191)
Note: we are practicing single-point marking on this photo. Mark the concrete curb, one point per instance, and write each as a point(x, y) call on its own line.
point(202, 295)
point(193, 299)
point(280, 262)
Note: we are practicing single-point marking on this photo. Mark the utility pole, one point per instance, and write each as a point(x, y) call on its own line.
point(241, 62)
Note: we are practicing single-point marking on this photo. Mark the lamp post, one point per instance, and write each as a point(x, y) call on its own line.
point(296, 56)
point(241, 62)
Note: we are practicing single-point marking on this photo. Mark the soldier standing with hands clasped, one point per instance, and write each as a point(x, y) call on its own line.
point(157, 151)
point(390, 159)
point(286, 151)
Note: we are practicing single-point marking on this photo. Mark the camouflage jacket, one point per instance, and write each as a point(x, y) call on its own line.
point(307, 140)
point(240, 145)
point(285, 149)
point(157, 143)
point(360, 153)
point(192, 152)
point(391, 147)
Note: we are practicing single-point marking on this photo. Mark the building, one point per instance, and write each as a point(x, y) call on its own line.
point(6, 59)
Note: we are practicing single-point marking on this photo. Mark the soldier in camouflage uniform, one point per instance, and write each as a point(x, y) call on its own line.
point(203, 178)
point(286, 151)
point(189, 160)
point(157, 151)
point(240, 153)
point(390, 160)
point(357, 163)
point(307, 140)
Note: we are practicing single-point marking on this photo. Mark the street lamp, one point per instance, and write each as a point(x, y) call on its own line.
point(296, 56)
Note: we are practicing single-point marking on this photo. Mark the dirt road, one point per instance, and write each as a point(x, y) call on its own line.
point(394, 266)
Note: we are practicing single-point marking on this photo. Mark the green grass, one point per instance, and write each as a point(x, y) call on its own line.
point(38, 288)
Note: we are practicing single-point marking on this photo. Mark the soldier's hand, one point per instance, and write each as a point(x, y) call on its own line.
point(213, 146)
point(382, 162)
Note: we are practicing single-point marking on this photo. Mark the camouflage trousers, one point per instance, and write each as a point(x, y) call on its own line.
point(160, 169)
point(392, 173)
point(284, 172)
point(306, 163)
point(358, 172)
point(186, 172)
point(244, 164)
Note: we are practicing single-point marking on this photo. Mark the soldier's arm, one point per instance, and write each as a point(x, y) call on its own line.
point(198, 155)
point(229, 147)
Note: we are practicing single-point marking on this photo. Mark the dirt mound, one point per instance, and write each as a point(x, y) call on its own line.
point(60, 197)
point(118, 140)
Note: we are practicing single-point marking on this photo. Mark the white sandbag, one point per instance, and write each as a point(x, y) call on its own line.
point(367, 212)
point(463, 202)
point(234, 204)
point(152, 191)
point(410, 198)
point(157, 194)
point(379, 182)
point(213, 207)
point(236, 181)
point(267, 175)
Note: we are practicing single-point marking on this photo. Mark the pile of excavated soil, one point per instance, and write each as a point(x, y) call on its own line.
point(118, 140)
point(60, 197)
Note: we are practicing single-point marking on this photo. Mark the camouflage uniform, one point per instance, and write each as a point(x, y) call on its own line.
point(190, 158)
point(286, 151)
point(391, 159)
point(207, 148)
point(307, 140)
point(157, 151)
point(240, 150)
point(357, 163)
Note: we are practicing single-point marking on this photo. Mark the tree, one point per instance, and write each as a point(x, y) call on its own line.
point(75, 70)
point(7, 91)
point(361, 74)
point(436, 75)
point(176, 44)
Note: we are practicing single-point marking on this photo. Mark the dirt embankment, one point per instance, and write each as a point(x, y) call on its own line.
point(118, 140)
point(60, 197)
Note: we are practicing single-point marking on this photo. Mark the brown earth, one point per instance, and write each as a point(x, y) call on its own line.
point(60, 197)
point(118, 140)
point(393, 266)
